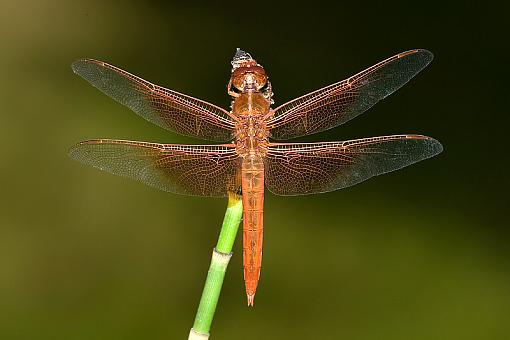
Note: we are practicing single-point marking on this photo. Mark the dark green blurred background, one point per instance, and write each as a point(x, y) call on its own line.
point(420, 253)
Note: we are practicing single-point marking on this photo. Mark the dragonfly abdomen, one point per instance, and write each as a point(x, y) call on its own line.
point(253, 226)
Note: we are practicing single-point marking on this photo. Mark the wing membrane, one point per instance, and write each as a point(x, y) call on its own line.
point(169, 109)
point(337, 103)
point(308, 168)
point(197, 170)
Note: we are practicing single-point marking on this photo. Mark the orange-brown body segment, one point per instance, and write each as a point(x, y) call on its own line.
point(253, 225)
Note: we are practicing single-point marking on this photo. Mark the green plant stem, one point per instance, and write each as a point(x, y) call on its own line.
point(219, 262)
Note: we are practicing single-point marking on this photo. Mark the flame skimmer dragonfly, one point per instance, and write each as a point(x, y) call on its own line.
point(250, 162)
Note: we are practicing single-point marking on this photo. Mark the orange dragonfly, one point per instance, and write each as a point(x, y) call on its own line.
point(249, 162)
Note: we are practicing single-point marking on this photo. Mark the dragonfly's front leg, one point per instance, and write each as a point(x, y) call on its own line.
point(229, 90)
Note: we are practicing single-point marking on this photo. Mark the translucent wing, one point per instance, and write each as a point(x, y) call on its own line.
point(337, 103)
point(308, 168)
point(169, 109)
point(197, 170)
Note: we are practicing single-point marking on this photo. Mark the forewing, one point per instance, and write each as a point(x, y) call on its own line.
point(169, 109)
point(197, 170)
point(309, 168)
point(337, 103)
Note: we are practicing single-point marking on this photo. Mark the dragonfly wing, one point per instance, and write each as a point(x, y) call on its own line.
point(197, 170)
point(337, 103)
point(169, 109)
point(308, 168)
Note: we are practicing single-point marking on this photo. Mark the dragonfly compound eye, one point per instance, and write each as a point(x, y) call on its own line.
point(249, 77)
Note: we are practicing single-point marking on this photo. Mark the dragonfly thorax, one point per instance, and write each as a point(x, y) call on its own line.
point(251, 109)
point(252, 137)
point(250, 104)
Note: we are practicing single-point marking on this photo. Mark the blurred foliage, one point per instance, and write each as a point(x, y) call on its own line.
point(417, 254)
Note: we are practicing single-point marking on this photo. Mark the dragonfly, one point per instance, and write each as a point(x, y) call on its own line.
point(250, 158)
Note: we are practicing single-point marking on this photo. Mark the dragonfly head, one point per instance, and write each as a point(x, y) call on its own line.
point(247, 75)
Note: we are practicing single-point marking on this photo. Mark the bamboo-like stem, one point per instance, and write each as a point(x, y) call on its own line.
point(219, 262)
